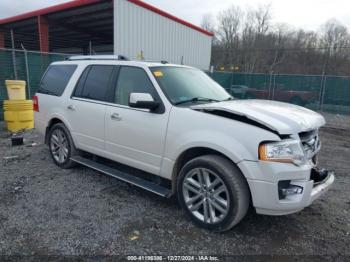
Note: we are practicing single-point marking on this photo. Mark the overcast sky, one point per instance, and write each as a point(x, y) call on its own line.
point(307, 14)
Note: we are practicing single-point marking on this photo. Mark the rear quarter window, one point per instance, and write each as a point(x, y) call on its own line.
point(56, 79)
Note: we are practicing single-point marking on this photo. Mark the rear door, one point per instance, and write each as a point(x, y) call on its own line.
point(87, 106)
point(135, 137)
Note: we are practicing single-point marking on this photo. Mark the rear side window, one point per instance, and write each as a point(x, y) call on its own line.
point(56, 79)
point(94, 82)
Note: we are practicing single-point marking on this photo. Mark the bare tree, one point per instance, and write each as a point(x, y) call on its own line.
point(335, 41)
point(262, 19)
point(208, 23)
point(228, 32)
point(248, 41)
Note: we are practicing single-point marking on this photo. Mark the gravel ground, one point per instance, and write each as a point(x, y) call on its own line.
point(45, 210)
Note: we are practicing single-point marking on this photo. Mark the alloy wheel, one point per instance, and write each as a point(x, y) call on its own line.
point(59, 145)
point(206, 195)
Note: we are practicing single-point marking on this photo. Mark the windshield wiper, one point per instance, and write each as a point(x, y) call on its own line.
point(230, 98)
point(196, 99)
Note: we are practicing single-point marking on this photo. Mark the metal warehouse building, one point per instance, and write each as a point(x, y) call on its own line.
point(129, 27)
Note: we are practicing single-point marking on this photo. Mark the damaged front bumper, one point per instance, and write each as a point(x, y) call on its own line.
point(286, 189)
point(323, 179)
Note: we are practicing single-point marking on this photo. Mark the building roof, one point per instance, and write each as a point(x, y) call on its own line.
point(165, 14)
point(81, 3)
point(72, 25)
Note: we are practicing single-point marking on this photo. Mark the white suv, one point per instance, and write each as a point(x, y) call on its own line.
point(172, 130)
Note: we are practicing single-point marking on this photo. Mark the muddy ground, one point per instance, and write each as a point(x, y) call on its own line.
point(45, 210)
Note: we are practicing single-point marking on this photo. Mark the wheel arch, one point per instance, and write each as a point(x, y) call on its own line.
point(191, 153)
point(54, 120)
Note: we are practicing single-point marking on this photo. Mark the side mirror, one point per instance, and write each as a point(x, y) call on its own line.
point(142, 100)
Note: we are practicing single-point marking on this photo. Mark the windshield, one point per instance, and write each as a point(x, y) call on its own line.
point(182, 85)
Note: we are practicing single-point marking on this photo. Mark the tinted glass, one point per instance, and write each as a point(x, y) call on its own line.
point(132, 80)
point(97, 82)
point(80, 85)
point(183, 84)
point(55, 79)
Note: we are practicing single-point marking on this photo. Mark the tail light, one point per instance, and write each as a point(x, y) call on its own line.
point(35, 104)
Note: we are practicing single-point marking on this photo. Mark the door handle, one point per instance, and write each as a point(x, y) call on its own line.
point(71, 107)
point(116, 117)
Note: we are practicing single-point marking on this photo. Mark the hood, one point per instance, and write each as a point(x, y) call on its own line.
point(282, 118)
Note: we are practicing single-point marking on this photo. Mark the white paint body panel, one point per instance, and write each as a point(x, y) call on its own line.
point(154, 142)
point(87, 136)
point(159, 38)
point(281, 117)
point(137, 139)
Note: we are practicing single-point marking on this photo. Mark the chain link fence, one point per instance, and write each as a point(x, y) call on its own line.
point(318, 92)
point(23, 65)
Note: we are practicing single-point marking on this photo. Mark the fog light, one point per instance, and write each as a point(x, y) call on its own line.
point(292, 190)
point(286, 189)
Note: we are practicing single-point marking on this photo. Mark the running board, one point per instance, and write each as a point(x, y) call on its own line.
point(134, 180)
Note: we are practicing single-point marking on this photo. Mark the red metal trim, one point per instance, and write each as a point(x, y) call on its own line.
point(47, 10)
point(77, 3)
point(43, 29)
point(165, 14)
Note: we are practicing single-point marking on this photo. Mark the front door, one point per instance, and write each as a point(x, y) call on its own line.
point(135, 137)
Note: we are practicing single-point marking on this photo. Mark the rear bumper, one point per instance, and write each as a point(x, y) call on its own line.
point(265, 194)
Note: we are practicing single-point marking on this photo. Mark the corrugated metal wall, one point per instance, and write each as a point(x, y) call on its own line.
point(137, 29)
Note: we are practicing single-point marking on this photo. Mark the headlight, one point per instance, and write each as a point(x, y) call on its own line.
point(288, 151)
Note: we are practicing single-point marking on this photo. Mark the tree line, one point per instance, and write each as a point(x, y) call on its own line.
point(247, 40)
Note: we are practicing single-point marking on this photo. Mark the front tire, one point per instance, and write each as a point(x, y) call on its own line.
point(61, 146)
point(213, 192)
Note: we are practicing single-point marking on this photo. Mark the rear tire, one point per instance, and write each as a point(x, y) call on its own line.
point(213, 192)
point(61, 146)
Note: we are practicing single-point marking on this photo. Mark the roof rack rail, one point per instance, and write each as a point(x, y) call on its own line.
point(98, 57)
point(161, 61)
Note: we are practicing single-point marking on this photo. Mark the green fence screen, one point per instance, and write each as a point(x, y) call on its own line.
point(22, 65)
point(317, 92)
point(324, 93)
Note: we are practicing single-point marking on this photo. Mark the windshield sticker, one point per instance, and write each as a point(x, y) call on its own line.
point(158, 73)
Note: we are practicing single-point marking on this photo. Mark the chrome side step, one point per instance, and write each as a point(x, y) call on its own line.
point(145, 184)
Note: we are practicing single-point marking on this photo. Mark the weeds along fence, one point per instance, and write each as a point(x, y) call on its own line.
point(318, 92)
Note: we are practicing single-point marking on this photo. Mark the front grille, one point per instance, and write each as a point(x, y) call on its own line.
point(311, 144)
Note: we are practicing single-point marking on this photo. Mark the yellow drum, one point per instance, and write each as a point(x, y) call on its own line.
point(16, 89)
point(18, 114)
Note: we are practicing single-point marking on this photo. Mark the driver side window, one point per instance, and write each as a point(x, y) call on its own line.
point(132, 80)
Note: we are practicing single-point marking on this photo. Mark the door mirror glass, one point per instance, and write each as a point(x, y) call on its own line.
point(142, 100)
